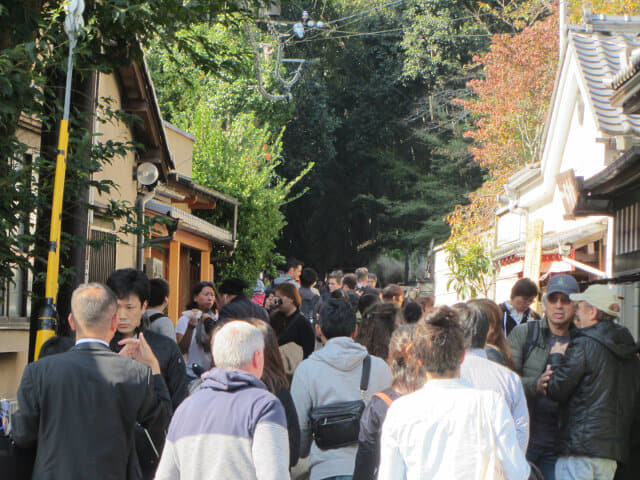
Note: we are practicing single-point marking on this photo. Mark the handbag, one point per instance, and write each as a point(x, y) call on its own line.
point(337, 425)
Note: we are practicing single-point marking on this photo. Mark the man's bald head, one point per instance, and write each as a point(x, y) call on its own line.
point(93, 307)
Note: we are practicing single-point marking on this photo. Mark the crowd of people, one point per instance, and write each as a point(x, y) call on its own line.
point(338, 381)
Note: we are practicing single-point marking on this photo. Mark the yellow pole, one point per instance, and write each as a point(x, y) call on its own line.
point(47, 319)
point(48, 315)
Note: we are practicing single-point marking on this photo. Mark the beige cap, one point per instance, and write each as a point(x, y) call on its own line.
point(601, 297)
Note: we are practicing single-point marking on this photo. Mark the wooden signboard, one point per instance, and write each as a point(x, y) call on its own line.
point(533, 255)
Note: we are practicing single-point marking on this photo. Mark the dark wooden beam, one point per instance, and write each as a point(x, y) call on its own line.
point(136, 106)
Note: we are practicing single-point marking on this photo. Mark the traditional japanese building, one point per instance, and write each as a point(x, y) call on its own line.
point(538, 231)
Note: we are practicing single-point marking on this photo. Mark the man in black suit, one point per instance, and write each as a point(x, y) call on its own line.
point(80, 407)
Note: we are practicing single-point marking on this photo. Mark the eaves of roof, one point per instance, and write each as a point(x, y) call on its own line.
point(192, 224)
point(550, 241)
point(626, 74)
point(196, 187)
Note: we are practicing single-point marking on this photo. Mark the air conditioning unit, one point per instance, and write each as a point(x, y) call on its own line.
point(154, 268)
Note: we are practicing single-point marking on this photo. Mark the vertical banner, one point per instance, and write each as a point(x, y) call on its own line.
point(533, 255)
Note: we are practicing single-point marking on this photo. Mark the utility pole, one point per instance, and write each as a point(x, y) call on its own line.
point(48, 316)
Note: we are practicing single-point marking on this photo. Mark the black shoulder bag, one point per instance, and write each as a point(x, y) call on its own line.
point(337, 425)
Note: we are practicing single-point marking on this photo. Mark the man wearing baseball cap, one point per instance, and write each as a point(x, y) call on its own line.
point(530, 345)
point(597, 383)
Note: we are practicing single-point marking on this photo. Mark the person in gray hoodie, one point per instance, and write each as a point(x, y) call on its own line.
point(332, 375)
point(232, 428)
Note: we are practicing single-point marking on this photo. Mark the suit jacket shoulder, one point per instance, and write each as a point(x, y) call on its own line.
point(87, 395)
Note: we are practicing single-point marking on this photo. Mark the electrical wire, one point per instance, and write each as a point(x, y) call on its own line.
point(353, 16)
point(365, 12)
point(383, 33)
point(320, 36)
point(359, 16)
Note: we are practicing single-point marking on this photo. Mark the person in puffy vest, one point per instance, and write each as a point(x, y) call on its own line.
point(597, 383)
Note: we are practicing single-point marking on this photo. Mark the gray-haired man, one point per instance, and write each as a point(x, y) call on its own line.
point(232, 427)
point(484, 374)
point(80, 407)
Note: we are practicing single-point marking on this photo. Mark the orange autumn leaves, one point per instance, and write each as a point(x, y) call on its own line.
point(510, 108)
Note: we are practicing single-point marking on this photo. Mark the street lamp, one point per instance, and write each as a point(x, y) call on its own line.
point(73, 23)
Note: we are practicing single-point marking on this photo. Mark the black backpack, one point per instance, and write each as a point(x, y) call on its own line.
point(308, 307)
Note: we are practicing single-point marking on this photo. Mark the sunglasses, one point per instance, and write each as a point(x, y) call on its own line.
point(564, 299)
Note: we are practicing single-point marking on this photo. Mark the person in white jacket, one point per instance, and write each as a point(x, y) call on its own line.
point(332, 375)
point(449, 430)
point(482, 373)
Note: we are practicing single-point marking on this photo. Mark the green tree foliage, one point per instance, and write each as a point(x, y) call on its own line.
point(182, 85)
point(470, 268)
point(238, 144)
point(378, 185)
point(240, 159)
point(33, 54)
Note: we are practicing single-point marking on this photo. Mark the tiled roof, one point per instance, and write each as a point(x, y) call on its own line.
point(626, 73)
point(600, 59)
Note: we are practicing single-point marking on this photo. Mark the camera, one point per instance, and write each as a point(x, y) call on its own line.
point(209, 324)
point(276, 302)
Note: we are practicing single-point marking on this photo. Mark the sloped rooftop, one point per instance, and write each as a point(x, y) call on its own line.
point(603, 47)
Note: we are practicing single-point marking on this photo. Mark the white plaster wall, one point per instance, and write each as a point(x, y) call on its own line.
point(570, 144)
point(582, 152)
point(503, 288)
point(443, 296)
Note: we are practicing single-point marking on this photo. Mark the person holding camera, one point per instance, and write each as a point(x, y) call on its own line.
point(191, 329)
point(331, 388)
point(287, 320)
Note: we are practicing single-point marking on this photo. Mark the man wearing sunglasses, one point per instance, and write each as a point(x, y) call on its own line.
point(531, 344)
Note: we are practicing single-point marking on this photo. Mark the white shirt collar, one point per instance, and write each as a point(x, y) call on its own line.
point(478, 352)
point(92, 340)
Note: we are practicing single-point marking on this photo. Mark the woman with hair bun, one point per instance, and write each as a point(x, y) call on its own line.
point(406, 378)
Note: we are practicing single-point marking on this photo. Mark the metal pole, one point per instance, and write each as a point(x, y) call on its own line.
point(48, 315)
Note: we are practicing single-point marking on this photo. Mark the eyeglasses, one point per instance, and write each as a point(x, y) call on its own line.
point(564, 299)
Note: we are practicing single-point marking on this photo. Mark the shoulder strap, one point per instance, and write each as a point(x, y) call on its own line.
point(385, 398)
point(366, 370)
point(533, 332)
point(314, 301)
point(155, 316)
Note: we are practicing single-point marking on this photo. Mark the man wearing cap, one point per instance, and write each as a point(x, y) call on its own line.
point(235, 305)
point(596, 382)
point(530, 345)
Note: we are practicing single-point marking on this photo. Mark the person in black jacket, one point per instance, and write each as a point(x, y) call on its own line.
point(235, 304)
point(80, 407)
point(516, 311)
point(291, 325)
point(132, 290)
point(406, 378)
point(275, 379)
point(597, 383)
